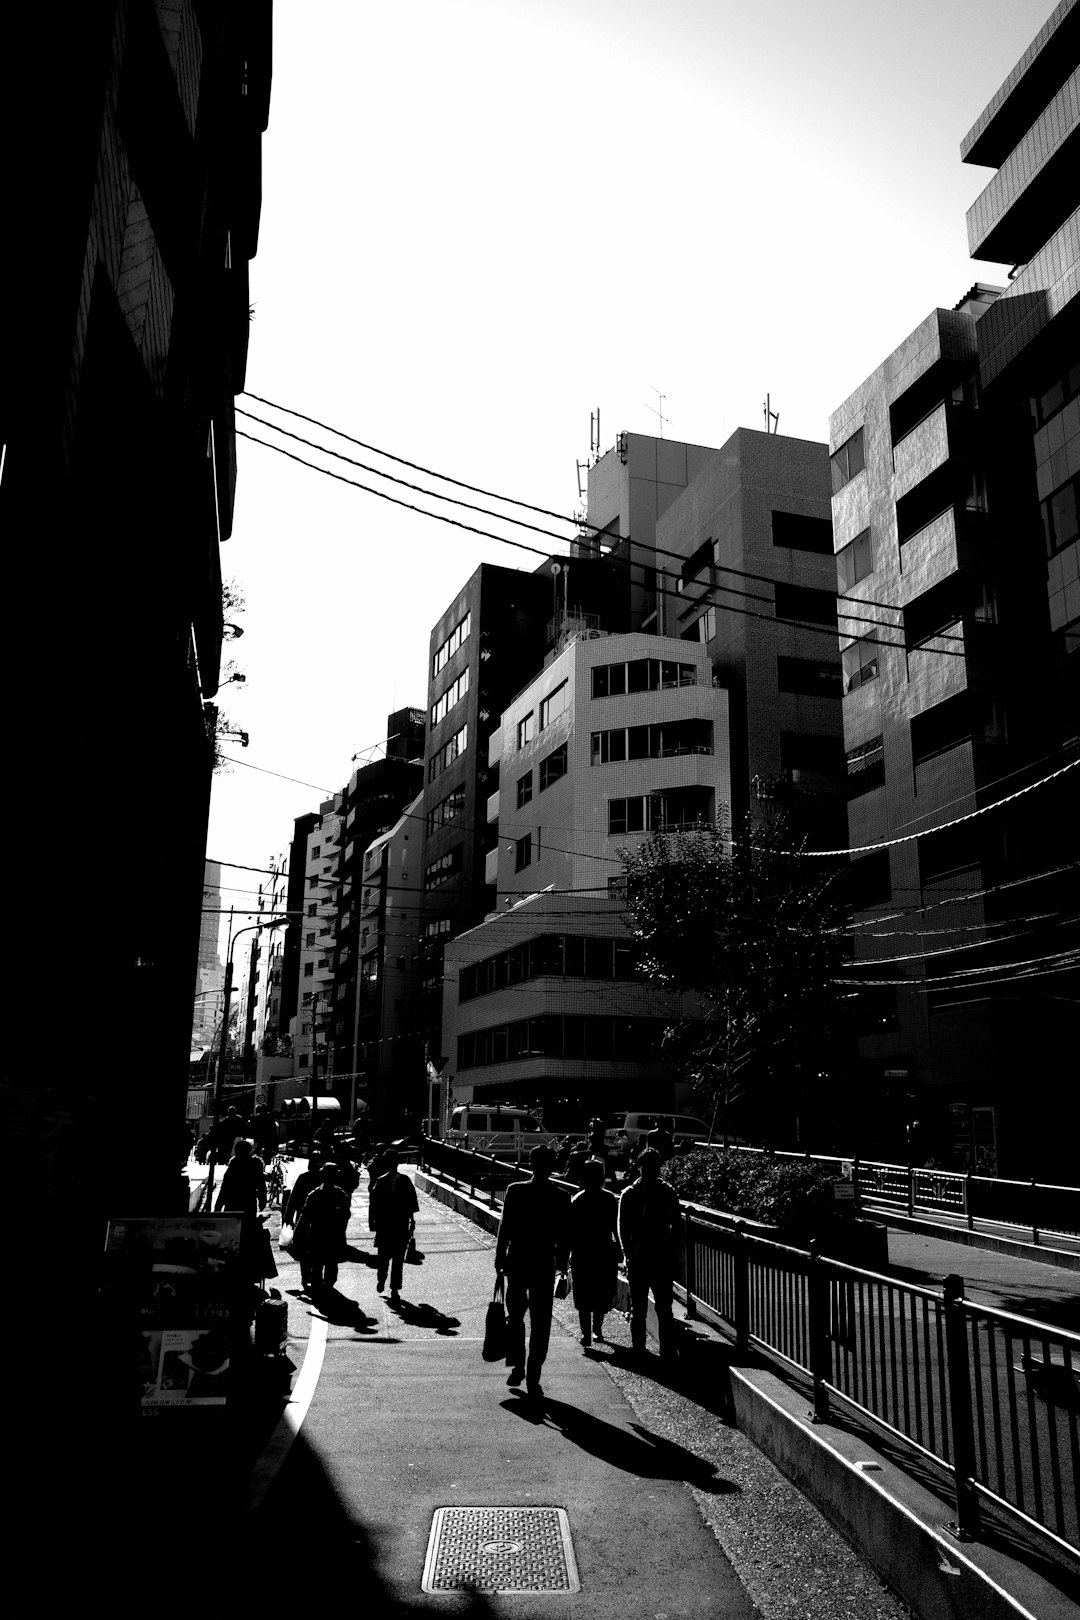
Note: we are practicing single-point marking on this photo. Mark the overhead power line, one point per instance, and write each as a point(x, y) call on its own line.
point(810, 627)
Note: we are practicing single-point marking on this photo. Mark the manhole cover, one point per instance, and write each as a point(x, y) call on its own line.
point(500, 1549)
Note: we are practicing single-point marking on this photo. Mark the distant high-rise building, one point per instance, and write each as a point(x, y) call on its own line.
point(210, 976)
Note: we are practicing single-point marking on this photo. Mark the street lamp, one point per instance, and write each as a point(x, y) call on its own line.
point(274, 922)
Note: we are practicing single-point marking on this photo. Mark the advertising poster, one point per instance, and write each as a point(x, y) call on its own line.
point(174, 1278)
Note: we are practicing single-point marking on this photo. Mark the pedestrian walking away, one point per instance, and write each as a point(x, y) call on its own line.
point(243, 1186)
point(392, 1208)
point(305, 1183)
point(321, 1228)
point(649, 1221)
point(594, 1251)
point(533, 1247)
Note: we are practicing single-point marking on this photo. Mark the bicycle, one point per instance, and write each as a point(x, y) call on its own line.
point(275, 1181)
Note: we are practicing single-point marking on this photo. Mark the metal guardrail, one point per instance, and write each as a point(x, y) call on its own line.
point(1037, 1206)
point(990, 1399)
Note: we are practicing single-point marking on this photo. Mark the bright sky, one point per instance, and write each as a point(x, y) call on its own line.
point(482, 220)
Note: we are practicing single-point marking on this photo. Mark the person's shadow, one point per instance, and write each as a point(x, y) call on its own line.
point(639, 1452)
point(342, 1312)
point(419, 1315)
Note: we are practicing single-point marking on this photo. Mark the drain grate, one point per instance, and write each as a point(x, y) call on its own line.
point(500, 1549)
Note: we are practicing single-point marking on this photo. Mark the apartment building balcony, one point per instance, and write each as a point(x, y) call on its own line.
point(493, 806)
point(491, 866)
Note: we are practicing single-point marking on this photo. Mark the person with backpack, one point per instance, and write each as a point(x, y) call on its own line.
point(392, 1209)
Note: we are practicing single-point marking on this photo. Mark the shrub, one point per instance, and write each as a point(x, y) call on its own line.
point(790, 1194)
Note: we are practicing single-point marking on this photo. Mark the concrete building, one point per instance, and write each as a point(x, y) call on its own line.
point(387, 1032)
point(617, 737)
point(141, 194)
point(745, 567)
point(210, 974)
point(312, 1021)
point(954, 511)
point(372, 804)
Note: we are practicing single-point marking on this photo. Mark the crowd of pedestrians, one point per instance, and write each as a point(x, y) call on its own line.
point(546, 1236)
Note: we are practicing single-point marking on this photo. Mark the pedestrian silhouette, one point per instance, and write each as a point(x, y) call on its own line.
point(321, 1228)
point(243, 1186)
point(649, 1219)
point(594, 1250)
point(392, 1209)
point(305, 1183)
point(533, 1245)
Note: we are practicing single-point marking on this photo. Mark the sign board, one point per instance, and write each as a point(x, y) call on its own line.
point(847, 1169)
point(843, 1192)
point(174, 1281)
point(197, 1100)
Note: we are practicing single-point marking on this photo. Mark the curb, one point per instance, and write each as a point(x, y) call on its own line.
point(895, 1524)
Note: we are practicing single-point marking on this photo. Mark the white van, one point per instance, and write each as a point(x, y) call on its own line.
point(506, 1133)
point(629, 1128)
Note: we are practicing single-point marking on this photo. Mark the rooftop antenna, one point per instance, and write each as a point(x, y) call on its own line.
point(660, 412)
point(582, 466)
point(771, 416)
point(594, 432)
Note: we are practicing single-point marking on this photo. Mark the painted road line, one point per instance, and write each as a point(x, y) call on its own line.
point(288, 1427)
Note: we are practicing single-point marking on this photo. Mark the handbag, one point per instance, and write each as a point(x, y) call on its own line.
point(495, 1325)
point(413, 1256)
point(562, 1285)
point(286, 1237)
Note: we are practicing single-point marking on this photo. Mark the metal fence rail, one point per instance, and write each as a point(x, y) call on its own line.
point(991, 1397)
point(994, 1398)
point(1038, 1206)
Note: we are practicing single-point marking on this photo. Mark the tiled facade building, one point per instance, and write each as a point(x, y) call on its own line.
point(955, 471)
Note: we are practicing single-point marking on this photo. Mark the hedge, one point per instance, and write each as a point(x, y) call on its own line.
point(790, 1194)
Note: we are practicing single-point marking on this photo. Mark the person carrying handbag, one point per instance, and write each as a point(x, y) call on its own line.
point(392, 1210)
point(533, 1246)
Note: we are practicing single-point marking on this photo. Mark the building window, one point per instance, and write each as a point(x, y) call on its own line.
point(305, 1000)
point(808, 677)
point(1059, 517)
point(865, 768)
point(1057, 395)
point(302, 1060)
point(309, 939)
point(309, 968)
point(442, 870)
point(641, 675)
point(526, 730)
point(704, 629)
point(454, 640)
point(524, 789)
point(316, 852)
point(552, 767)
point(554, 704)
point(446, 755)
point(797, 533)
point(313, 909)
point(453, 694)
point(860, 664)
point(804, 603)
point(312, 882)
point(846, 462)
point(854, 561)
point(437, 929)
point(446, 810)
point(666, 740)
point(626, 815)
point(523, 852)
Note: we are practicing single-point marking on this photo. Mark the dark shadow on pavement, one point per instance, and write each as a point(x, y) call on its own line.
point(1063, 1313)
point(362, 1256)
point(639, 1452)
point(341, 1312)
point(420, 1315)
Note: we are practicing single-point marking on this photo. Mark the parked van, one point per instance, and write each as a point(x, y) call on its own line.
point(506, 1133)
point(629, 1128)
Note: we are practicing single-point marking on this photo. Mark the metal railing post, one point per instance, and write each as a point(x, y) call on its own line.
point(689, 1277)
point(967, 1203)
point(960, 1421)
point(911, 1189)
point(472, 1171)
point(855, 1183)
point(1035, 1212)
point(740, 1255)
point(817, 1280)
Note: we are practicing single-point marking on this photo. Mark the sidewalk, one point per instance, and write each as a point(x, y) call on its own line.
point(661, 1498)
